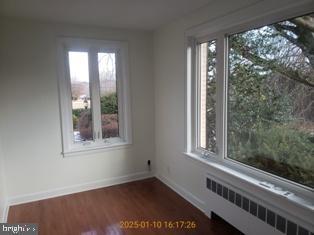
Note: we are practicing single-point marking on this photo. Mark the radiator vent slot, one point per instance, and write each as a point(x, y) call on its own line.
point(262, 213)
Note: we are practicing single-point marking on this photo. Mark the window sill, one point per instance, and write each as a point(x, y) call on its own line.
point(254, 183)
point(95, 149)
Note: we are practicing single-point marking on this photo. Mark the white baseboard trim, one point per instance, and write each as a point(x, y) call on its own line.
point(4, 213)
point(195, 201)
point(198, 203)
point(78, 188)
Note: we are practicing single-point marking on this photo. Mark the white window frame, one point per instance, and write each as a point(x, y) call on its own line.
point(219, 30)
point(69, 147)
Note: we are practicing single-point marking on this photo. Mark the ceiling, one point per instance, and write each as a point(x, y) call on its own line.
point(132, 14)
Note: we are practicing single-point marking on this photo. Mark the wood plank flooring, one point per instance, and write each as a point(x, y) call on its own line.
point(147, 203)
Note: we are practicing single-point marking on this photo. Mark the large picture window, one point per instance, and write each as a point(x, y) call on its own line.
point(271, 99)
point(94, 96)
point(255, 98)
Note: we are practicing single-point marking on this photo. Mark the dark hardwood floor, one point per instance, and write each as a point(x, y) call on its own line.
point(149, 204)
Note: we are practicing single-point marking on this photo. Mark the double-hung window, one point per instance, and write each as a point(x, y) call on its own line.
point(94, 94)
point(250, 98)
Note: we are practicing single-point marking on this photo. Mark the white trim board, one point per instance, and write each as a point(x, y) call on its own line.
point(78, 188)
point(26, 198)
point(4, 213)
point(188, 196)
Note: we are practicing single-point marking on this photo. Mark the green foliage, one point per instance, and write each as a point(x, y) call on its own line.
point(75, 121)
point(76, 114)
point(211, 97)
point(253, 101)
point(109, 104)
point(274, 149)
point(269, 94)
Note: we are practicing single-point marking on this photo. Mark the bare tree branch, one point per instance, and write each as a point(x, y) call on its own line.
point(304, 22)
point(304, 34)
point(281, 30)
point(273, 65)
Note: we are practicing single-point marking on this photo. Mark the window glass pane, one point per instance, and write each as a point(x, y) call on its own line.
point(81, 101)
point(271, 99)
point(108, 94)
point(207, 129)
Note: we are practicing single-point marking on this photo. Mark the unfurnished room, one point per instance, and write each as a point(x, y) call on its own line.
point(170, 117)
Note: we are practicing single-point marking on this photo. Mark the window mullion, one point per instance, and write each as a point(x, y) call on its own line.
point(119, 91)
point(68, 104)
point(221, 116)
point(197, 96)
point(191, 126)
point(95, 94)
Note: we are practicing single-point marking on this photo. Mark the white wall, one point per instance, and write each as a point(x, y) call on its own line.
point(30, 112)
point(185, 174)
point(3, 194)
point(3, 197)
point(170, 97)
